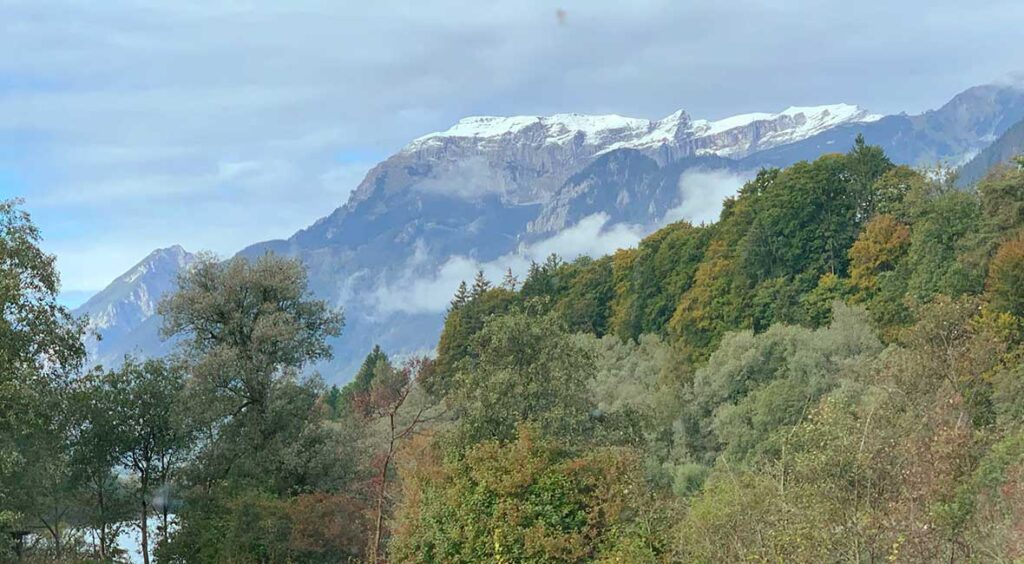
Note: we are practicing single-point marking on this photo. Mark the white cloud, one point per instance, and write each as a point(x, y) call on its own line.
point(122, 113)
point(701, 194)
point(416, 293)
point(467, 178)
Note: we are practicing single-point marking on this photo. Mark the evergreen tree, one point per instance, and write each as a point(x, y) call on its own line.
point(510, 282)
point(369, 368)
point(461, 297)
point(480, 285)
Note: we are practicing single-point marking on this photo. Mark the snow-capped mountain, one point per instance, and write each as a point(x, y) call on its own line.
point(735, 136)
point(125, 306)
point(490, 188)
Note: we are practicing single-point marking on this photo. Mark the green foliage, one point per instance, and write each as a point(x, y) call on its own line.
point(375, 362)
point(939, 232)
point(459, 328)
point(754, 385)
point(529, 500)
point(40, 348)
point(661, 270)
point(522, 368)
point(1005, 286)
point(831, 372)
point(808, 217)
point(585, 305)
point(248, 328)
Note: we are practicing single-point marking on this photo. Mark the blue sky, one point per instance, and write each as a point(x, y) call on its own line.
point(128, 126)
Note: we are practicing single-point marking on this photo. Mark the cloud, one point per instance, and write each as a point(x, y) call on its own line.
point(416, 293)
point(701, 194)
point(122, 113)
point(468, 178)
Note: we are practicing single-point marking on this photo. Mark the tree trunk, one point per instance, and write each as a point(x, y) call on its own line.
point(165, 519)
point(103, 523)
point(144, 525)
point(381, 492)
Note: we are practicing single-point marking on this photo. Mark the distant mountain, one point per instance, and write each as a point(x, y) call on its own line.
point(123, 314)
point(952, 134)
point(1010, 144)
point(490, 190)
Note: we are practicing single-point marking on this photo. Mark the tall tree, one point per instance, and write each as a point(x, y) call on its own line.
point(480, 285)
point(384, 400)
point(147, 401)
point(246, 324)
point(461, 297)
point(510, 282)
point(96, 449)
point(40, 347)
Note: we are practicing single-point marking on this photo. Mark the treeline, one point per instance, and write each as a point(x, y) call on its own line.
point(831, 372)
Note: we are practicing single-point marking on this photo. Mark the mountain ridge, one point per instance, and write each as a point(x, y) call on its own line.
point(130, 301)
point(442, 206)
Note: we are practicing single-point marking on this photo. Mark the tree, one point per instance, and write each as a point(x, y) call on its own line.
point(586, 305)
point(153, 436)
point(247, 328)
point(246, 324)
point(755, 384)
point(529, 500)
point(942, 225)
point(375, 363)
point(662, 269)
point(510, 282)
point(40, 348)
point(480, 285)
point(384, 400)
point(892, 190)
point(867, 165)
point(878, 249)
point(96, 448)
point(522, 369)
point(461, 297)
point(1005, 285)
point(459, 328)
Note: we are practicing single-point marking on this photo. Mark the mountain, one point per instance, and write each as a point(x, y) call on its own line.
point(123, 314)
point(492, 192)
point(1010, 144)
point(953, 134)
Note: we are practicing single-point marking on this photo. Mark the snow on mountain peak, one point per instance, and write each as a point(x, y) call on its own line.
point(609, 132)
point(557, 128)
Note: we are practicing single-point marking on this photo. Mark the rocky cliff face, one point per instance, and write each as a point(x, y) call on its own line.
point(1002, 151)
point(491, 187)
point(129, 302)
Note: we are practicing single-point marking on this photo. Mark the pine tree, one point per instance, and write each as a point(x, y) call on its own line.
point(364, 378)
point(510, 282)
point(480, 285)
point(461, 297)
point(552, 263)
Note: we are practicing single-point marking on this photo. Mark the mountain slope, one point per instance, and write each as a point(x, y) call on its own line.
point(490, 191)
point(1008, 146)
point(952, 134)
point(119, 314)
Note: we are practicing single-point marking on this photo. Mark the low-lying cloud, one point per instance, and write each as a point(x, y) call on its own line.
point(415, 293)
point(701, 194)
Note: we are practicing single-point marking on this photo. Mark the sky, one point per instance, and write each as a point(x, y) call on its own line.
point(130, 126)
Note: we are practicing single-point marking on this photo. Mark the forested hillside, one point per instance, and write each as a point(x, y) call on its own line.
point(832, 371)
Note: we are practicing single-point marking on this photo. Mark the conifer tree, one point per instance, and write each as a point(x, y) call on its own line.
point(510, 282)
point(461, 297)
point(480, 285)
